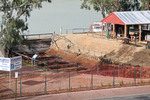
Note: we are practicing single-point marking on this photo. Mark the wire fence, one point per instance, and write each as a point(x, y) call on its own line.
point(104, 76)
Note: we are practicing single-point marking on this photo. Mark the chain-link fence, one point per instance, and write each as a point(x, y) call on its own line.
point(33, 81)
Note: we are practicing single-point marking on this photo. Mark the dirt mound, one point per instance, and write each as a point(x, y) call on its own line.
point(115, 50)
point(90, 64)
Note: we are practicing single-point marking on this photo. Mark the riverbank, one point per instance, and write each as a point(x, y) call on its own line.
point(115, 50)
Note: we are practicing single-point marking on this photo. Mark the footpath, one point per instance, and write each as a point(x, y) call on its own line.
point(93, 94)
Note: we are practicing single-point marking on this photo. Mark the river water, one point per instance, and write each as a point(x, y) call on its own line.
point(61, 13)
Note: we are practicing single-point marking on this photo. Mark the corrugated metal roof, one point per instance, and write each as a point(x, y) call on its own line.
point(113, 18)
point(130, 17)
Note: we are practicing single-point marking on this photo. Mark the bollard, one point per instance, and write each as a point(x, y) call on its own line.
point(69, 81)
point(45, 90)
point(113, 78)
point(134, 75)
point(92, 80)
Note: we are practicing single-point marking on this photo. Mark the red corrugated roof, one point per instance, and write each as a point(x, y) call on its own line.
point(112, 18)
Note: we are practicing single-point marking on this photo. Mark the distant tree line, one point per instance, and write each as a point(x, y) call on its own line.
point(108, 6)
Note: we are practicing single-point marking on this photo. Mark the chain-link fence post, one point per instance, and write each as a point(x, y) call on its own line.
point(92, 79)
point(69, 82)
point(16, 89)
point(134, 75)
point(141, 70)
point(114, 77)
point(118, 71)
point(97, 68)
point(21, 84)
point(45, 90)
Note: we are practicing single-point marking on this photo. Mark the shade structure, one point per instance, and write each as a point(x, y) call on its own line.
point(128, 18)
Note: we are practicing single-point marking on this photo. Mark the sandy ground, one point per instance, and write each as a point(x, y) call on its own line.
point(94, 45)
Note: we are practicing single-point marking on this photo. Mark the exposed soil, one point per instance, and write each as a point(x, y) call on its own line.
point(115, 50)
point(74, 58)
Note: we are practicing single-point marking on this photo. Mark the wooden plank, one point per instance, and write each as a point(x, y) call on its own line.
point(140, 33)
point(125, 30)
point(114, 33)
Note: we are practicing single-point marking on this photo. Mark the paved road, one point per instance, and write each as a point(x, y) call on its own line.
point(133, 97)
point(125, 92)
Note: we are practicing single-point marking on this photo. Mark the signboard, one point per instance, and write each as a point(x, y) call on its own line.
point(9, 64)
point(34, 56)
point(5, 64)
point(16, 63)
point(16, 74)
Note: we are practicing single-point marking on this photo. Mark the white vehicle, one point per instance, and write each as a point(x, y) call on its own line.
point(96, 27)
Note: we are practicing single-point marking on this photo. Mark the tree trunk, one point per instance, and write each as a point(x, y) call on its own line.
point(10, 52)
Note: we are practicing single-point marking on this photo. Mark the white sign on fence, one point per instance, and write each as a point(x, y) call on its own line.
point(16, 74)
point(16, 63)
point(9, 64)
point(5, 64)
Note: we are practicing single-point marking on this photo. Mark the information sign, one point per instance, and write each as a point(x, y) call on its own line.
point(5, 64)
point(34, 56)
point(16, 63)
point(16, 74)
point(9, 64)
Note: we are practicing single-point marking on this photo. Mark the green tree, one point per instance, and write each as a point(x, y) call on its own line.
point(145, 4)
point(14, 20)
point(109, 6)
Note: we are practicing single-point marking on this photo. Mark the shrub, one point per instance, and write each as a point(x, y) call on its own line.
point(102, 84)
point(121, 83)
point(109, 85)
